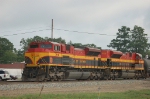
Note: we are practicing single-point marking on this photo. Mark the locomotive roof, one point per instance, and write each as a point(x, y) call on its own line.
point(55, 43)
point(93, 48)
point(45, 42)
point(78, 48)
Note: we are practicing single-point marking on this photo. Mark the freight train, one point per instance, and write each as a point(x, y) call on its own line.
point(51, 61)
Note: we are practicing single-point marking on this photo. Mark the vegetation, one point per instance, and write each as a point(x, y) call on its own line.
point(128, 40)
point(7, 50)
point(142, 94)
point(122, 40)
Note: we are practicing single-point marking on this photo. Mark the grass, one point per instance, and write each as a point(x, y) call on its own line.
point(142, 94)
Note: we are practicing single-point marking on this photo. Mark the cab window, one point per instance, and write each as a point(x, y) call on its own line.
point(46, 46)
point(57, 48)
point(33, 46)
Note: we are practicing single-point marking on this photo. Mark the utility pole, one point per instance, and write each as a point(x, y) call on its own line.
point(52, 30)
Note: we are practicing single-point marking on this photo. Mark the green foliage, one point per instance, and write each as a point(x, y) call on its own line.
point(7, 51)
point(70, 42)
point(20, 55)
point(130, 40)
point(90, 45)
point(139, 41)
point(9, 57)
point(25, 42)
point(142, 94)
point(122, 40)
point(77, 45)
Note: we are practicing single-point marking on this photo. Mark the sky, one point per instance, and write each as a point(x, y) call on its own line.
point(85, 20)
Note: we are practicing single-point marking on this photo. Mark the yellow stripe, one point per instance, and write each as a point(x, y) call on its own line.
point(94, 67)
point(35, 56)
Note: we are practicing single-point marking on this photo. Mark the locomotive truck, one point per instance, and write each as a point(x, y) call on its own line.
point(51, 61)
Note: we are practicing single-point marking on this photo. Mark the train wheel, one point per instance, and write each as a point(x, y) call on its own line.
point(113, 77)
point(45, 80)
point(60, 78)
point(89, 78)
point(55, 77)
point(107, 78)
point(41, 78)
point(137, 78)
point(94, 78)
point(52, 79)
point(100, 77)
point(144, 76)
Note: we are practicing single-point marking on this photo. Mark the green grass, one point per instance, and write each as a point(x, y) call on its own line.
point(142, 94)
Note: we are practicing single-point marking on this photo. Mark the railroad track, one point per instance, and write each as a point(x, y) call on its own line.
point(18, 85)
point(65, 81)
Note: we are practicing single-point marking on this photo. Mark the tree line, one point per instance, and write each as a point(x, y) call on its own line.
point(126, 40)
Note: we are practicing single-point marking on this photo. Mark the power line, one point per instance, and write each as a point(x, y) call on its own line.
point(86, 32)
point(60, 30)
point(82, 32)
point(25, 32)
point(22, 30)
point(56, 29)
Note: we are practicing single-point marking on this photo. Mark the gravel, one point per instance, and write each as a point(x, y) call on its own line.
point(65, 84)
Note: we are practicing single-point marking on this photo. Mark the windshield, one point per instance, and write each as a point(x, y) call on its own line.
point(46, 46)
point(33, 46)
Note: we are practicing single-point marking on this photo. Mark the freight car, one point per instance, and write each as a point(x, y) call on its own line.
point(49, 61)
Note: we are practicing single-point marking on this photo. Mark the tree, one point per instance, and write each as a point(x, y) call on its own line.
point(25, 42)
point(77, 45)
point(139, 41)
point(90, 45)
point(131, 40)
point(70, 42)
point(9, 57)
point(7, 51)
point(122, 40)
point(20, 55)
point(59, 40)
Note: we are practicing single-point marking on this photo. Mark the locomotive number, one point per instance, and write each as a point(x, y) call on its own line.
point(57, 54)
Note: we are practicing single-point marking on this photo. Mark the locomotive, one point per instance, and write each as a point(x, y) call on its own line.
point(51, 61)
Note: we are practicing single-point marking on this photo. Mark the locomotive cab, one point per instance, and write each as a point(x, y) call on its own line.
point(38, 53)
point(40, 45)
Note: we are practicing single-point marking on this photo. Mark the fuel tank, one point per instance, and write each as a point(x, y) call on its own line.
point(77, 75)
point(129, 74)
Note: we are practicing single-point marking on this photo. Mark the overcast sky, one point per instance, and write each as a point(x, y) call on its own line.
point(92, 16)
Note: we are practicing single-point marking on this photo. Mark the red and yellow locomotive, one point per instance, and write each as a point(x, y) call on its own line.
point(56, 61)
